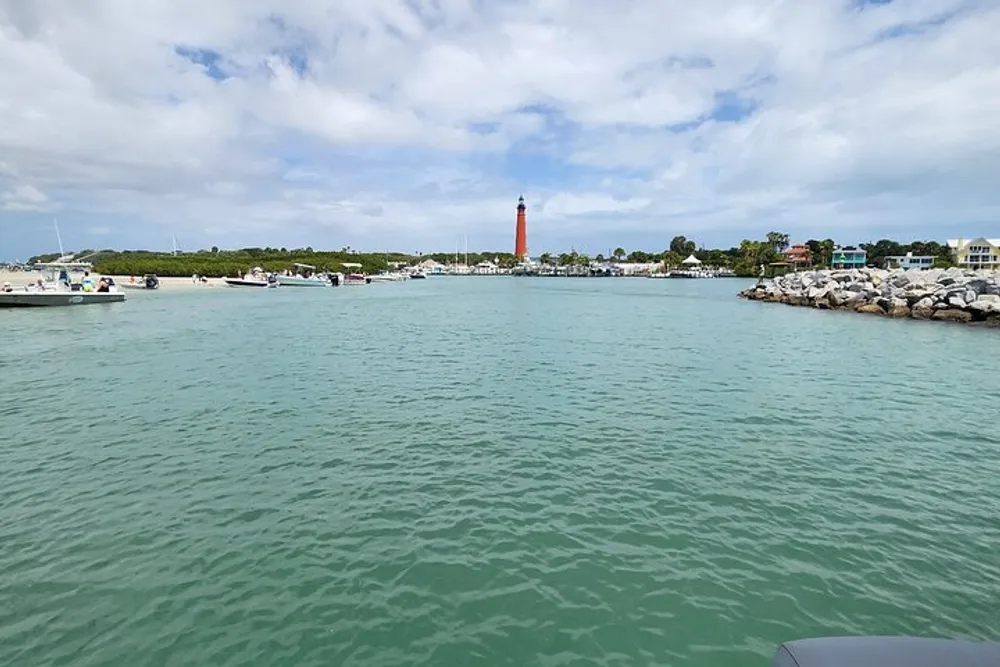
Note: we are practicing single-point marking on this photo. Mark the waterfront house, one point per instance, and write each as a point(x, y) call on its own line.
point(798, 256)
point(430, 267)
point(978, 253)
point(849, 257)
point(910, 261)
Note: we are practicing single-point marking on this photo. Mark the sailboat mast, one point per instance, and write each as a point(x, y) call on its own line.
point(58, 238)
point(466, 249)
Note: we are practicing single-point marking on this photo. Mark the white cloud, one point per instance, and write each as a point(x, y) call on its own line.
point(383, 122)
point(24, 198)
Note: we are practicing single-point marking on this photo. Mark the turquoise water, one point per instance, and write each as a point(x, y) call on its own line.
point(488, 471)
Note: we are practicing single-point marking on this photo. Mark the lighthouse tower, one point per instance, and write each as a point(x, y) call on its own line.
point(521, 237)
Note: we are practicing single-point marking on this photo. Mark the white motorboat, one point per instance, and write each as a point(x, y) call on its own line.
point(310, 279)
point(417, 274)
point(389, 277)
point(55, 288)
point(255, 277)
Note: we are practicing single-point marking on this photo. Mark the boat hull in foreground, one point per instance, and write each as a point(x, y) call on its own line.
point(299, 281)
point(240, 282)
point(43, 299)
point(886, 652)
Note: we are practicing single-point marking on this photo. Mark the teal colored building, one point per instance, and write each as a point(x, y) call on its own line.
point(849, 257)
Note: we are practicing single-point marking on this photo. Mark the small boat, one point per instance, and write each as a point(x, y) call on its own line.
point(55, 288)
point(148, 281)
point(298, 280)
point(418, 274)
point(357, 279)
point(389, 277)
point(253, 278)
point(691, 273)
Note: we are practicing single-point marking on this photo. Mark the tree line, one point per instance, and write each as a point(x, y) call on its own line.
point(218, 263)
point(745, 259)
point(752, 254)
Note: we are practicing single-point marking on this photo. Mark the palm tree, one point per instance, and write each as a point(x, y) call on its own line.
point(618, 254)
point(826, 247)
point(777, 240)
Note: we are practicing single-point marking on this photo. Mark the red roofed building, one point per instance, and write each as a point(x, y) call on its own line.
point(798, 255)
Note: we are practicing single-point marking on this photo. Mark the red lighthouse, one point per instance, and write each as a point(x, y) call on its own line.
point(521, 238)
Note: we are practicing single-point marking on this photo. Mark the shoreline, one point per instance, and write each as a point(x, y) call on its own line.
point(19, 279)
point(951, 295)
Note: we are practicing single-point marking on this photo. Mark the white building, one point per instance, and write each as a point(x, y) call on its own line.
point(433, 268)
point(910, 261)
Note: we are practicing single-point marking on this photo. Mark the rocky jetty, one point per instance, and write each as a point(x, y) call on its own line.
point(956, 295)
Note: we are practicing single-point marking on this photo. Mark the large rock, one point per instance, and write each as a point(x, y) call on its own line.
point(815, 292)
point(923, 309)
point(978, 285)
point(986, 303)
point(956, 301)
point(900, 280)
point(873, 308)
point(952, 315)
point(899, 310)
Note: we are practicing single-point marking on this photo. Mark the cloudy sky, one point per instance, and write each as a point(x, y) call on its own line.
point(409, 124)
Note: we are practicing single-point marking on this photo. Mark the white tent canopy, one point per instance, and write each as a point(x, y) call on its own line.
point(692, 260)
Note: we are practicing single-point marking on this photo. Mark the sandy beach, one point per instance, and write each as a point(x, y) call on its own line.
point(18, 279)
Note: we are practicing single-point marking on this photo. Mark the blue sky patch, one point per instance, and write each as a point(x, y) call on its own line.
point(914, 28)
point(295, 43)
point(731, 108)
point(209, 59)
